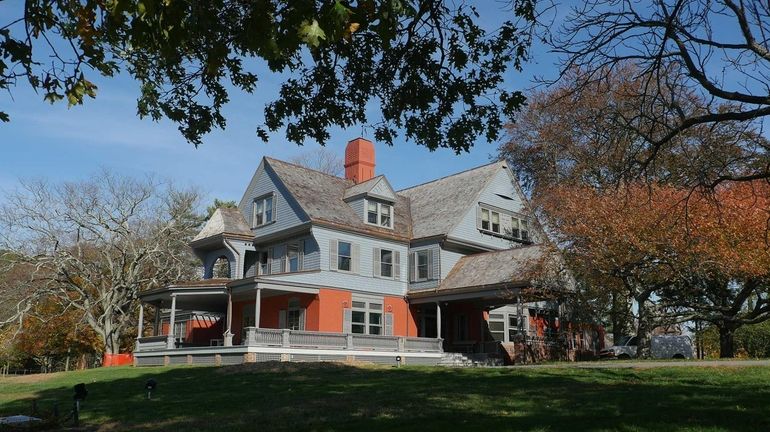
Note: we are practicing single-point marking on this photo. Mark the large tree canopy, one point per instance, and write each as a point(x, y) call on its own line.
point(432, 68)
point(714, 50)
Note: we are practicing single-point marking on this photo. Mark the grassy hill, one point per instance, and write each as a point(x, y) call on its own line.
point(326, 397)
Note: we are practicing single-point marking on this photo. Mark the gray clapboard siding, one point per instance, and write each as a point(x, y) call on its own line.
point(448, 260)
point(288, 214)
point(309, 259)
point(501, 184)
point(359, 206)
point(363, 280)
point(435, 268)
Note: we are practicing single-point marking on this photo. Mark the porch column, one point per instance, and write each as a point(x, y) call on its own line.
point(228, 336)
point(140, 325)
point(156, 328)
point(257, 307)
point(171, 341)
point(438, 320)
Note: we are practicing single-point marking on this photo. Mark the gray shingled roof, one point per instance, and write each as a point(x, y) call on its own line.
point(437, 206)
point(518, 266)
point(225, 221)
point(365, 187)
point(321, 196)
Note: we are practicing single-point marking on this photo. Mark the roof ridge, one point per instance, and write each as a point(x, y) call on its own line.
point(305, 168)
point(451, 175)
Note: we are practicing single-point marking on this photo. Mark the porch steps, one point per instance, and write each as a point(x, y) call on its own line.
point(453, 359)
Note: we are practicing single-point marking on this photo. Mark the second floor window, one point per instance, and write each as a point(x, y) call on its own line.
point(420, 263)
point(344, 256)
point(292, 257)
point(263, 211)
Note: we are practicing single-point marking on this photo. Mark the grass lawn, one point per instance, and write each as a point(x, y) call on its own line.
point(327, 397)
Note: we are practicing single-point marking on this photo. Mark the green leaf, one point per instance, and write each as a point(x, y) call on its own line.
point(311, 33)
point(4, 117)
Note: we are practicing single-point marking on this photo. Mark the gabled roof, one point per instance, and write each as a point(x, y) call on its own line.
point(377, 187)
point(321, 197)
point(438, 206)
point(226, 221)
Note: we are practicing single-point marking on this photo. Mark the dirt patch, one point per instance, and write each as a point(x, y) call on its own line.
point(30, 379)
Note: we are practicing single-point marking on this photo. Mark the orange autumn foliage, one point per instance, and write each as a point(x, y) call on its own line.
point(665, 230)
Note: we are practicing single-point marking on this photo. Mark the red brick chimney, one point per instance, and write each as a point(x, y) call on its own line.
point(359, 160)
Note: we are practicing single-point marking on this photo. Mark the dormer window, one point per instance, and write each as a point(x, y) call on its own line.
point(263, 211)
point(379, 214)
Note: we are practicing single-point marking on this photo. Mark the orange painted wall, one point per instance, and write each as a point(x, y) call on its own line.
point(404, 323)
point(332, 303)
point(324, 312)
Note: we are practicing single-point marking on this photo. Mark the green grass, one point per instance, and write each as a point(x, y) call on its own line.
point(337, 397)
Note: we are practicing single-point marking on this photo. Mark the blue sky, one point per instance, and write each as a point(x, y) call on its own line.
point(60, 143)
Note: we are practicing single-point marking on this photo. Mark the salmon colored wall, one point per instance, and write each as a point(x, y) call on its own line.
point(332, 302)
point(404, 323)
point(323, 312)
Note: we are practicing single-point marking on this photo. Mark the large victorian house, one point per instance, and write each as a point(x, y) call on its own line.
point(316, 267)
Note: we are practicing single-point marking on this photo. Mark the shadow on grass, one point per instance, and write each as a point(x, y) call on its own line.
point(289, 396)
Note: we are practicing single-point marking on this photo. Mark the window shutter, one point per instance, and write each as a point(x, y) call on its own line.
point(275, 207)
point(377, 262)
point(282, 318)
point(430, 264)
point(333, 255)
point(397, 265)
point(411, 267)
point(347, 320)
point(355, 257)
point(388, 324)
point(301, 255)
point(478, 217)
point(270, 253)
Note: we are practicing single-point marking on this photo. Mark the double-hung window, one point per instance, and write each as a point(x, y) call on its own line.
point(490, 221)
point(371, 212)
point(519, 228)
point(263, 211)
point(422, 263)
point(485, 219)
point(294, 315)
point(379, 214)
point(366, 318)
point(386, 263)
point(292, 257)
point(524, 229)
point(344, 256)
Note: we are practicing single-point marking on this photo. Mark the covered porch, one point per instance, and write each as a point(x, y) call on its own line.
point(263, 320)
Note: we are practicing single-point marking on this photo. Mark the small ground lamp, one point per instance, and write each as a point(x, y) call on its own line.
point(80, 394)
point(398, 361)
point(150, 387)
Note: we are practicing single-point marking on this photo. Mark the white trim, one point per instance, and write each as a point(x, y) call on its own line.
point(281, 350)
point(379, 214)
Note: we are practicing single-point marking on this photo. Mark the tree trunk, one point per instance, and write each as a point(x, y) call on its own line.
point(619, 314)
point(643, 330)
point(726, 341)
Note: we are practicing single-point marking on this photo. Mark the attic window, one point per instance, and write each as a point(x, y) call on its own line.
point(263, 211)
point(379, 214)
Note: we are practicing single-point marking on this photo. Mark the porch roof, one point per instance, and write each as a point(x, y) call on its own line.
point(494, 276)
point(211, 294)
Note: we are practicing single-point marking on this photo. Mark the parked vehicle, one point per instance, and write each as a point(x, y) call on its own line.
point(661, 347)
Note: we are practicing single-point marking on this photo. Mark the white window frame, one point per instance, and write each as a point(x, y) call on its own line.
point(287, 258)
point(263, 200)
point(379, 214)
point(368, 310)
point(417, 277)
point(294, 306)
point(340, 256)
point(392, 263)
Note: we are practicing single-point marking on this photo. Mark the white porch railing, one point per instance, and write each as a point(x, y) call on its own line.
point(151, 343)
point(266, 337)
